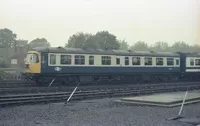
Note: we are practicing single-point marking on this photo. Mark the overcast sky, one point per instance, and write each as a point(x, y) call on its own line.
point(132, 20)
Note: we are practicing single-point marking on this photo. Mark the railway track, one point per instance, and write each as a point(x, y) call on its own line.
point(7, 100)
point(15, 83)
point(35, 89)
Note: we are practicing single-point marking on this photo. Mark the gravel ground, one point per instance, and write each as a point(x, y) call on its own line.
point(101, 112)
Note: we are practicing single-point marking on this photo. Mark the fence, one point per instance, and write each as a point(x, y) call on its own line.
point(10, 74)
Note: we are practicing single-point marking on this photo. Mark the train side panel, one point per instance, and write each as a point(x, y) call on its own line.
point(98, 68)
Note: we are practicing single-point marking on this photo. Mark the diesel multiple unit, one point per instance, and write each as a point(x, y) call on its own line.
point(67, 64)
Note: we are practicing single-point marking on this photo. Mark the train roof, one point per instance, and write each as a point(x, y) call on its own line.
point(104, 51)
point(197, 54)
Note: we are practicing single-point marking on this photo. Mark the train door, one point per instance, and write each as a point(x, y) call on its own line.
point(44, 60)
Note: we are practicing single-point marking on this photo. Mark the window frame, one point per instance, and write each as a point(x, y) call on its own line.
point(50, 61)
point(106, 60)
point(170, 61)
point(91, 63)
point(148, 62)
point(81, 59)
point(67, 62)
point(138, 63)
point(118, 61)
point(178, 62)
point(158, 60)
point(126, 61)
point(191, 62)
point(198, 62)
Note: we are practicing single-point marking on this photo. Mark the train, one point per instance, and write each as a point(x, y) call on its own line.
point(42, 65)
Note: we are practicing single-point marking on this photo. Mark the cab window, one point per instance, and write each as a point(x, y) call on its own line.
point(35, 58)
point(31, 58)
point(28, 58)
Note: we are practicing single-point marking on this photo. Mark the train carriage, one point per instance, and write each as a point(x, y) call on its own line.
point(64, 63)
point(190, 66)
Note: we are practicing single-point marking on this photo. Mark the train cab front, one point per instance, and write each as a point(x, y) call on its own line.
point(32, 64)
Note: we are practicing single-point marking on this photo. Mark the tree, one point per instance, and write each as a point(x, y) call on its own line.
point(140, 46)
point(91, 43)
point(160, 46)
point(39, 42)
point(102, 39)
point(180, 46)
point(81, 40)
point(195, 48)
point(21, 43)
point(106, 40)
point(7, 38)
point(123, 45)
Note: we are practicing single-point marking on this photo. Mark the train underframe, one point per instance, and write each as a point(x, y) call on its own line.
point(72, 79)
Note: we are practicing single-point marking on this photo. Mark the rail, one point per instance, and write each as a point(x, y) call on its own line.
point(7, 100)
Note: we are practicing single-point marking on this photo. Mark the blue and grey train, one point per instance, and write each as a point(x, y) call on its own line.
point(69, 64)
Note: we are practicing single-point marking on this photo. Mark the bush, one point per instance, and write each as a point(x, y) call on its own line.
point(3, 64)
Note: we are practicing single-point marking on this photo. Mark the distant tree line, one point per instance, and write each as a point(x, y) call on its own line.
point(102, 39)
point(9, 41)
point(105, 40)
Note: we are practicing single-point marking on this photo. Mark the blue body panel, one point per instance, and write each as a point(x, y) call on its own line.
point(192, 67)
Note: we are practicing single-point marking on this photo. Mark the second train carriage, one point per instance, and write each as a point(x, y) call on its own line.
point(65, 63)
point(190, 65)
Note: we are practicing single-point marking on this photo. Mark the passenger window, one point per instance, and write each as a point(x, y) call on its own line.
point(79, 60)
point(177, 62)
point(91, 60)
point(191, 62)
point(126, 60)
point(147, 61)
point(159, 61)
point(106, 60)
point(197, 62)
point(117, 61)
point(135, 60)
point(170, 61)
point(52, 59)
point(65, 59)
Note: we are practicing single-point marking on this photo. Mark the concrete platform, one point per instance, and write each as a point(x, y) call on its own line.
point(193, 121)
point(171, 99)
